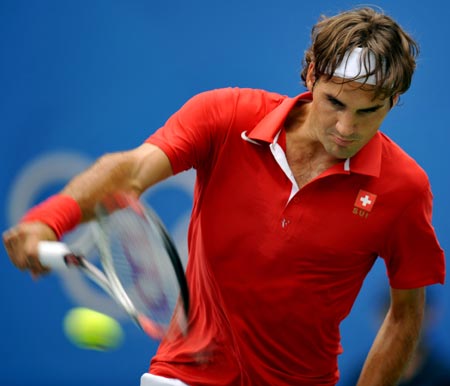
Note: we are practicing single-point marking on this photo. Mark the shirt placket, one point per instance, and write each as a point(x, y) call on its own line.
point(280, 157)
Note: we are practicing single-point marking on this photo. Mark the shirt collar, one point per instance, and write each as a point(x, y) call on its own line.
point(367, 161)
point(267, 129)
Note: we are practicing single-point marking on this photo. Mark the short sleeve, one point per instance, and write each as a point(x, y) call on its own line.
point(413, 255)
point(192, 135)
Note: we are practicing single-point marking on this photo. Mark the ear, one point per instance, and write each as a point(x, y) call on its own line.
point(310, 77)
point(395, 99)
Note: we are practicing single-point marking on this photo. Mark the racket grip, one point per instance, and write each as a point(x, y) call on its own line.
point(51, 254)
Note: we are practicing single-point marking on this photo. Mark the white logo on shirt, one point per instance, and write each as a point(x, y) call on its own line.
point(365, 200)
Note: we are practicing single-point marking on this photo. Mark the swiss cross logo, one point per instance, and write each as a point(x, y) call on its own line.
point(365, 200)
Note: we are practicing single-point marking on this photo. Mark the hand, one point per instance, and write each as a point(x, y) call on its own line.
point(21, 243)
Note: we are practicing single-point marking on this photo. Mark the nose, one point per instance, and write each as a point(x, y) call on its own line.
point(346, 124)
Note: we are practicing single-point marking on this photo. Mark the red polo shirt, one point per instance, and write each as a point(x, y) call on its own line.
point(271, 278)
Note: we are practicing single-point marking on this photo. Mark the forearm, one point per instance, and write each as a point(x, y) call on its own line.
point(109, 173)
point(132, 171)
point(393, 347)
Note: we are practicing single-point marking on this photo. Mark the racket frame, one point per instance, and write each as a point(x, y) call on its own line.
point(57, 255)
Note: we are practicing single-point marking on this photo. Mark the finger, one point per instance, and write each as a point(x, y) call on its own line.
point(32, 257)
point(36, 273)
point(35, 267)
point(7, 237)
point(12, 242)
point(21, 243)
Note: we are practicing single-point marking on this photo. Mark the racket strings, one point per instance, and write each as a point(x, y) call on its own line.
point(143, 266)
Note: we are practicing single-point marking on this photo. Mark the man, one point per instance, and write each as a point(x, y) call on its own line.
point(295, 199)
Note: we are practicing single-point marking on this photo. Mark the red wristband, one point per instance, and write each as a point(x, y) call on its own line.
point(60, 212)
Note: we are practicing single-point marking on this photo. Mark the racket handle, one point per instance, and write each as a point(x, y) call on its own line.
point(51, 254)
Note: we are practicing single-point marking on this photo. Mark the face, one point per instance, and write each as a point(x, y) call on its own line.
point(343, 116)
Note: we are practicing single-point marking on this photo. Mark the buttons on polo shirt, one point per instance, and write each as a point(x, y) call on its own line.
point(285, 222)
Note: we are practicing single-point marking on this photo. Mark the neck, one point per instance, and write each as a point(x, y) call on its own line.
point(300, 138)
point(305, 155)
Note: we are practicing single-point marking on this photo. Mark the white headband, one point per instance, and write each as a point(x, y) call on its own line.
point(353, 66)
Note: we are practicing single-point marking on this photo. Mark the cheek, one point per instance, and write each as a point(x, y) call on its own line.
point(326, 116)
point(369, 126)
point(366, 133)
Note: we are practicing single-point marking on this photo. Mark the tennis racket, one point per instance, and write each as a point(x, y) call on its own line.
point(140, 267)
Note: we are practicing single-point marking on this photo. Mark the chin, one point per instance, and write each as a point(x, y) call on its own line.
point(340, 153)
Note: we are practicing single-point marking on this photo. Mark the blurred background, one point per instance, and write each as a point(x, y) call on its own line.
point(81, 78)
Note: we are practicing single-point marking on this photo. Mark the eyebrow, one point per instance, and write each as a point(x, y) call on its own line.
point(333, 99)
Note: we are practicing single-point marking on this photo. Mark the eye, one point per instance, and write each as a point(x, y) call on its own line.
point(335, 102)
point(368, 111)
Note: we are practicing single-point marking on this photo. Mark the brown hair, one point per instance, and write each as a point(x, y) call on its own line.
point(395, 51)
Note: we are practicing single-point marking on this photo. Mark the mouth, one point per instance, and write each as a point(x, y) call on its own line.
point(344, 142)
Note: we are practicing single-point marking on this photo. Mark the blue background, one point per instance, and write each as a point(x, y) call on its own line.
point(81, 78)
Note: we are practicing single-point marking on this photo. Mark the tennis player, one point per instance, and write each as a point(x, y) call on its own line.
point(295, 199)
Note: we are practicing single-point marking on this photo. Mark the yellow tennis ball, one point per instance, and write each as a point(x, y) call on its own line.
point(93, 330)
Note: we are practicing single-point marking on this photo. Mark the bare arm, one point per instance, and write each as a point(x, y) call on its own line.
point(396, 340)
point(131, 171)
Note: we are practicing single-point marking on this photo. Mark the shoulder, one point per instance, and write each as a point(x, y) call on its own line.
point(236, 106)
point(400, 167)
point(243, 96)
